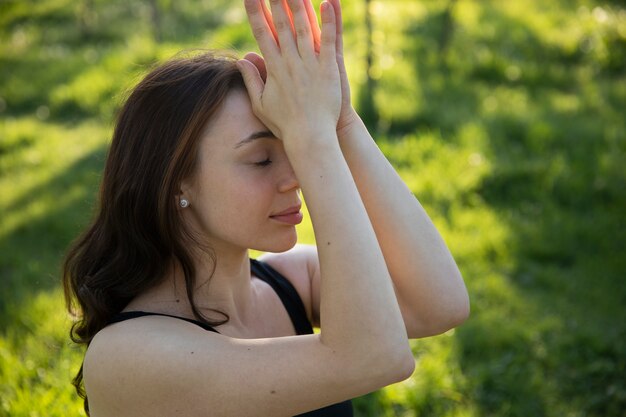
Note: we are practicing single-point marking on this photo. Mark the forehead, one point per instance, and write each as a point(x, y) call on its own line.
point(232, 122)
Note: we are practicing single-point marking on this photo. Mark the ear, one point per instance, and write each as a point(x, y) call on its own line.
point(183, 197)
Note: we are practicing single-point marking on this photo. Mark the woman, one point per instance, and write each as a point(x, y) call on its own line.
point(207, 160)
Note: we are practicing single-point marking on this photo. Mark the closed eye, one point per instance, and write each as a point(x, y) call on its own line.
point(263, 163)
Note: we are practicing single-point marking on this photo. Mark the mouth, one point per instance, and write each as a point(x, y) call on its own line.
point(290, 210)
point(290, 216)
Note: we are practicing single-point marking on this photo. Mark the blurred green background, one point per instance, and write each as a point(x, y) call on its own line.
point(506, 119)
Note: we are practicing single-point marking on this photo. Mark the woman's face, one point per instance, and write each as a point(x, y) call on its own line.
point(243, 178)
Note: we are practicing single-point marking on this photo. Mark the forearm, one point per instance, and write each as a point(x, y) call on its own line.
point(358, 305)
point(428, 283)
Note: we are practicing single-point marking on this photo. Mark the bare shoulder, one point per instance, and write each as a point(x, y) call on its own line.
point(161, 366)
point(128, 364)
point(300, 265)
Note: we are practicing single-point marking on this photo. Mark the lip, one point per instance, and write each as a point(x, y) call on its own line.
point(290, 210)
point(290, 216)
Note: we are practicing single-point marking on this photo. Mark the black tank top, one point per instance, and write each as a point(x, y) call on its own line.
point(295, 308)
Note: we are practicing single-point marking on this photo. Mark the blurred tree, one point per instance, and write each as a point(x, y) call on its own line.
point(155, 19)
point(367, 105)
point(86, 17)
point(447, 30)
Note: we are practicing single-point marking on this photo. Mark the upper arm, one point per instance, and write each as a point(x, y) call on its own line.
point(160, 367)
point(302, 267)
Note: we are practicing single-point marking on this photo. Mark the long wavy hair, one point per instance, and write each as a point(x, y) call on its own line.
point(137, 233)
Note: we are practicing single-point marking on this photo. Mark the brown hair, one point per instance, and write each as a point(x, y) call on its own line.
point(137, 233)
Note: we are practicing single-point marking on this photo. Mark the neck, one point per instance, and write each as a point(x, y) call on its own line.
point(223, 286)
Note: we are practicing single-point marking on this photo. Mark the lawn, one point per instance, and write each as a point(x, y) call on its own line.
point(506, 119)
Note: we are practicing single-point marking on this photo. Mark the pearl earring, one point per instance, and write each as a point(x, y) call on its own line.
point(184, 203)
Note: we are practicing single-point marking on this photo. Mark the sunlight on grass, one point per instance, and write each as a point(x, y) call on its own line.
point(38, 145)
point(36, 353)
point(510, 132)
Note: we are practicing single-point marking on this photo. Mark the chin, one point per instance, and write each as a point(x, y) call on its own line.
point(279, 244)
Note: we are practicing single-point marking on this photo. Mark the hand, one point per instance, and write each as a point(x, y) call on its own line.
point(347, 115)
point(301, 95)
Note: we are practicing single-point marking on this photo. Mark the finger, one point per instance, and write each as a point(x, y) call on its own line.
point(259, 63)
point(315, 27)
point(268, 19)
point(261, 30)
point(304, 37)
point(339, 25)
point(252, 80)
point(293, 31)
point(282, 23)
point(329, 32)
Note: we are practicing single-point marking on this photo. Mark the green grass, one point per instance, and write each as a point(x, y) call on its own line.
point(513, 139)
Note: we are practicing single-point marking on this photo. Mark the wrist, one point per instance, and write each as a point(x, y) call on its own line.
point(349, 124)
point(311, 145)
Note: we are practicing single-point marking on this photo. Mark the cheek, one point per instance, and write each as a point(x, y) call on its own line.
point(245, 190)
point(237, 201)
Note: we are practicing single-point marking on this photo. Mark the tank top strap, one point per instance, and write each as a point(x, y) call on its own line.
point(127, 315)
point(287, 294)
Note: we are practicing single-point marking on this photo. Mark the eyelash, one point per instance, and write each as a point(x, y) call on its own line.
point(263, 163)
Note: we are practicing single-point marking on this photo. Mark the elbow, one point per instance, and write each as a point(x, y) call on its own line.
point(456, 315)
point(399, 360)
point(405, 367)
point(453, 314)
point(388, 363)
point(438, 327)
point(460, 312)
point(371, 369)
point(398, 365)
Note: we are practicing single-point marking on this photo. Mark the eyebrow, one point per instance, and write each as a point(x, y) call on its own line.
point(263, 134)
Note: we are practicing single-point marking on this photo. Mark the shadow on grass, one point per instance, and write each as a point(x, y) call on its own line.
point(552, 341)
point(34, 249)
point(564, 209)
point(557, 181)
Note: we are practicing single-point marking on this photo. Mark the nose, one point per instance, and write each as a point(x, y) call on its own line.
point(288, 180)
